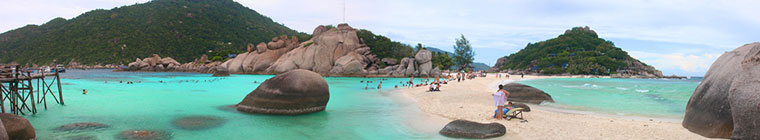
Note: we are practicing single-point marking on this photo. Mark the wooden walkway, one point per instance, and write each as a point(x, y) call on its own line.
point(18, 88)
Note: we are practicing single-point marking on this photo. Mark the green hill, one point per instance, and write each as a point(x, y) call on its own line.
point(577, 51)
point(182, 29)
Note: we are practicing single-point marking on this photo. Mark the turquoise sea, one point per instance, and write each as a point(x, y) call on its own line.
point(660, 98)
point(155, 100)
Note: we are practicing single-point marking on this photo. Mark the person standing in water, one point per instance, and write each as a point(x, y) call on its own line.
point(84, 91)
point(379, 85)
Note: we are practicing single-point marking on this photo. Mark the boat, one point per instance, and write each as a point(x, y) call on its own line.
point(60, 68)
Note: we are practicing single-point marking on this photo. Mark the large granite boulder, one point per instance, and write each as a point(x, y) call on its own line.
point(291, 93)
point(153, 60)
point(389, 61)
point(18, 127)
point(469, 129)
point(726, 104)
point(3, 132)
point(526, 94)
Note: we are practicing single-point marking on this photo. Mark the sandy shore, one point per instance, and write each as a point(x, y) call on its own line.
point(471, 100)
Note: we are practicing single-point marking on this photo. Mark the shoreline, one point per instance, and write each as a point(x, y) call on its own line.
point(470, 100)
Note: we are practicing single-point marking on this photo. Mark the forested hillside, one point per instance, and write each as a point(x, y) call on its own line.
point(182, 29)
point(577, 51)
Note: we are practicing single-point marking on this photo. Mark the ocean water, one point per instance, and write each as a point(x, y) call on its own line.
point(155, 100)
point(661, 98)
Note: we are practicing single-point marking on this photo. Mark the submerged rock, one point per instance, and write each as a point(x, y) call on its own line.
point(198, 122)
point(469, 129)
point(18, 127)
point(143, 135)
point(527, 94)
point(80, 137)
point(291, 93)
point(81, 126)
point(725, 104)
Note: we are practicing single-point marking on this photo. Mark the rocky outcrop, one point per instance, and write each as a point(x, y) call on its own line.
point(157, 64)
point(291, 93)
point(526, 94)
point(221, 73)
point(473, 130)
point(726, 103)
point(499, 64)
point(198, 122)
point(17, 127)
point(336, 52)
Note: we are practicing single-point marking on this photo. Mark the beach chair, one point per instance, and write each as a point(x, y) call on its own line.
point(513, 113)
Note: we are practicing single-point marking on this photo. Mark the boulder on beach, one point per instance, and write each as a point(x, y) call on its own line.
point(726, 104)
point(81, 126)
point(291, 93)
point(198, 122)
point(144, 135)
point(526, 94)
point(469, 129)
point(525, 107)
point(17, 127)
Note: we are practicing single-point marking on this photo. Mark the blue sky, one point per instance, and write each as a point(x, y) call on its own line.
point(681, 37)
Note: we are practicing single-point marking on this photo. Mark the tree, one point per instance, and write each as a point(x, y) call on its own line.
point(463, 54)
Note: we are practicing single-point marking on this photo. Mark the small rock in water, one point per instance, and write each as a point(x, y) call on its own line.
point(81, 137)
point(198, 122)
point(143, 135)
point(82, 126)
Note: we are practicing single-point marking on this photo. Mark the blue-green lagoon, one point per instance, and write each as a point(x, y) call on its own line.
point(658, 98)
point(155, 100)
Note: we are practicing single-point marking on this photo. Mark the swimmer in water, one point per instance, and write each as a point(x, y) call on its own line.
point(84, 91)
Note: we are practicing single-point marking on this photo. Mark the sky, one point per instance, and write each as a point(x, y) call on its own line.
point(681, 37)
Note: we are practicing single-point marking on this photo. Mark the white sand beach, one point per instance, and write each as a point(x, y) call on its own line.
point(471, 100)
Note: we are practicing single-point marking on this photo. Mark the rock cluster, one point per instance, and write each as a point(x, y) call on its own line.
point(469, 129)
point(337, 51)
point(291, 93)
point(726, 104)
point(158, 64)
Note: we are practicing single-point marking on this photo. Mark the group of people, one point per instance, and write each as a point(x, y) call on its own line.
point(499, 98)
point(498, 75)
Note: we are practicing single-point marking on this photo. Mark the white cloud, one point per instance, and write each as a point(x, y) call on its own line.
point(685, 64)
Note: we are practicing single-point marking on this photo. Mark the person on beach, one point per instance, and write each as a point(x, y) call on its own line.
point(498, 99)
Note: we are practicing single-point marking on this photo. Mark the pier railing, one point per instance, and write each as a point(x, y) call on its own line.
point(18, 90)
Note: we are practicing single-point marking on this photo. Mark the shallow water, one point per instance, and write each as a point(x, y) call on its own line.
point(155, 100)
point(663, 98)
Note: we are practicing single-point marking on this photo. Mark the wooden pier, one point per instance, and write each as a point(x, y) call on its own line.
point(17, 88)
